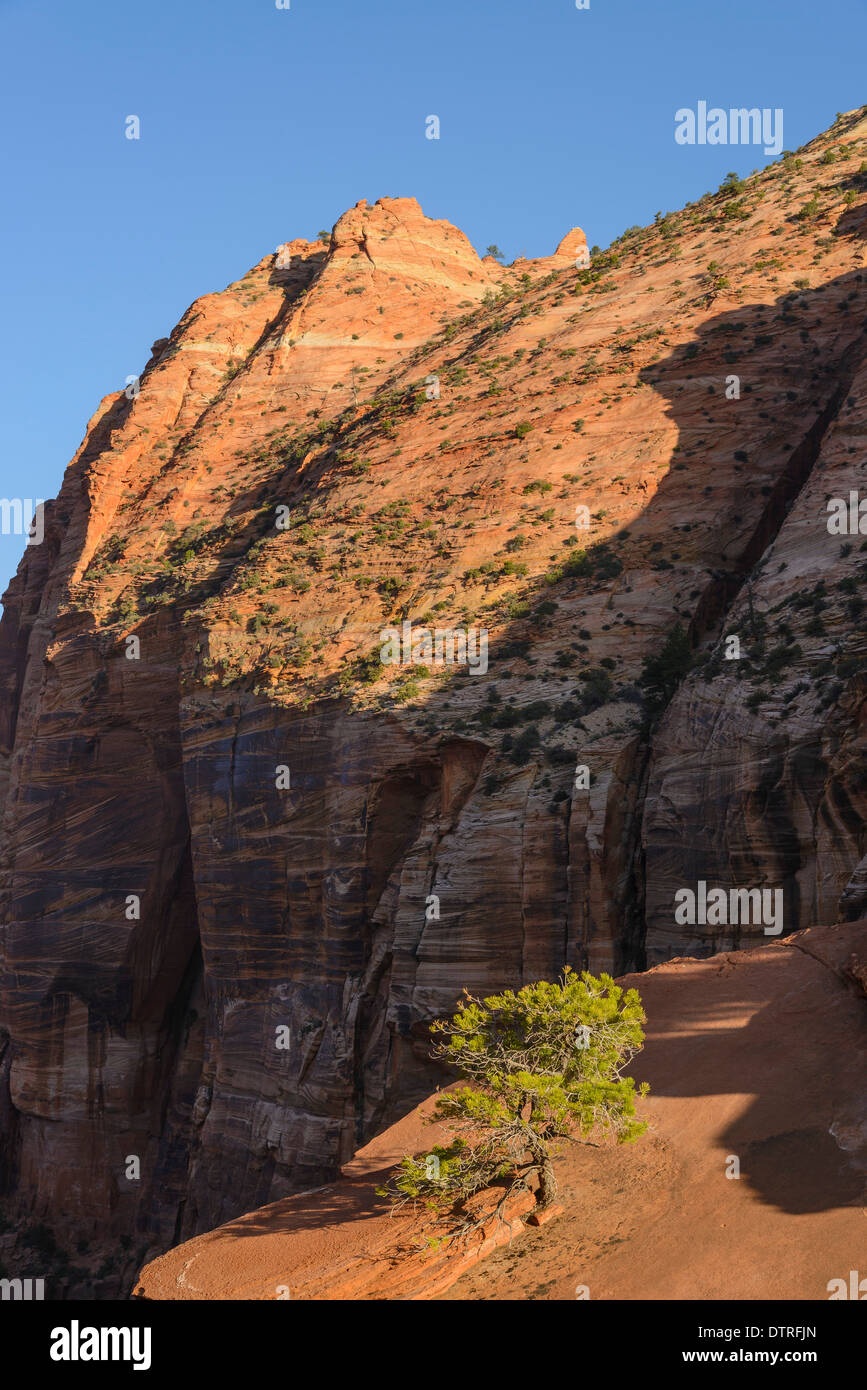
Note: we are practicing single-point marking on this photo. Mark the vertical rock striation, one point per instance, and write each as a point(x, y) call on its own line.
point(224, 818)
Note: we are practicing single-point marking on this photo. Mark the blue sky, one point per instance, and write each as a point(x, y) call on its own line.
point(259, 125)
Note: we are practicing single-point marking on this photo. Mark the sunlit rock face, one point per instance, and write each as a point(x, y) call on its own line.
point(244, 861)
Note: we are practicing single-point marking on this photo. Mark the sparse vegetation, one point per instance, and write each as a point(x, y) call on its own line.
point(662, 673)
point(545, 1066)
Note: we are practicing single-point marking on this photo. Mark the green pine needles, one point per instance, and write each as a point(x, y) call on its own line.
point(545, 1067)
point(663, 672)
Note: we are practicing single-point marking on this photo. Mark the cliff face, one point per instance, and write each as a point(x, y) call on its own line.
point(225, 818)
point(775, 792)
point(756, 1056)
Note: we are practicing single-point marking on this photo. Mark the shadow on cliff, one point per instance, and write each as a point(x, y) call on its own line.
point(794, 378)
point(810, 382)
point(795, 359)
point(781, 1036)
point(784, 1037)
point(815, 384)
point(342, 1201)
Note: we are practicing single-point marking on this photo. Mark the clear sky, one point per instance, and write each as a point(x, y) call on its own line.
point(260, 124)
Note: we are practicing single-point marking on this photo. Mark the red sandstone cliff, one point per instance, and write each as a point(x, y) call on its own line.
point(152, 773)
point(748, 1183)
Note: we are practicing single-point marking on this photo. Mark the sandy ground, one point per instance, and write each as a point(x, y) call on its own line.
point(756, 1062)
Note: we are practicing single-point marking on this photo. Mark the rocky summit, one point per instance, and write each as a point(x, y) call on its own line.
point(416, 622)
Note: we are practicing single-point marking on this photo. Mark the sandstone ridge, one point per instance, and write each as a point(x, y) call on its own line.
point(386, 428)
point(774, 1086)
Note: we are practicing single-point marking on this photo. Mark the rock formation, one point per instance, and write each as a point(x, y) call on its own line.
point(747, 1185)
point(244, 863)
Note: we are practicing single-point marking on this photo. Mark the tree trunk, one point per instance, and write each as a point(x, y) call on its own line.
point(542, 1159)
point(547, 1182)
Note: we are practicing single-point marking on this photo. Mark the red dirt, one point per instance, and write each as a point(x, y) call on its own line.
point(756, 1056)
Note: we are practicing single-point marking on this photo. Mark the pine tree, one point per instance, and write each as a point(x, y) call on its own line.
point(661, 674)
point(545, 1066)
